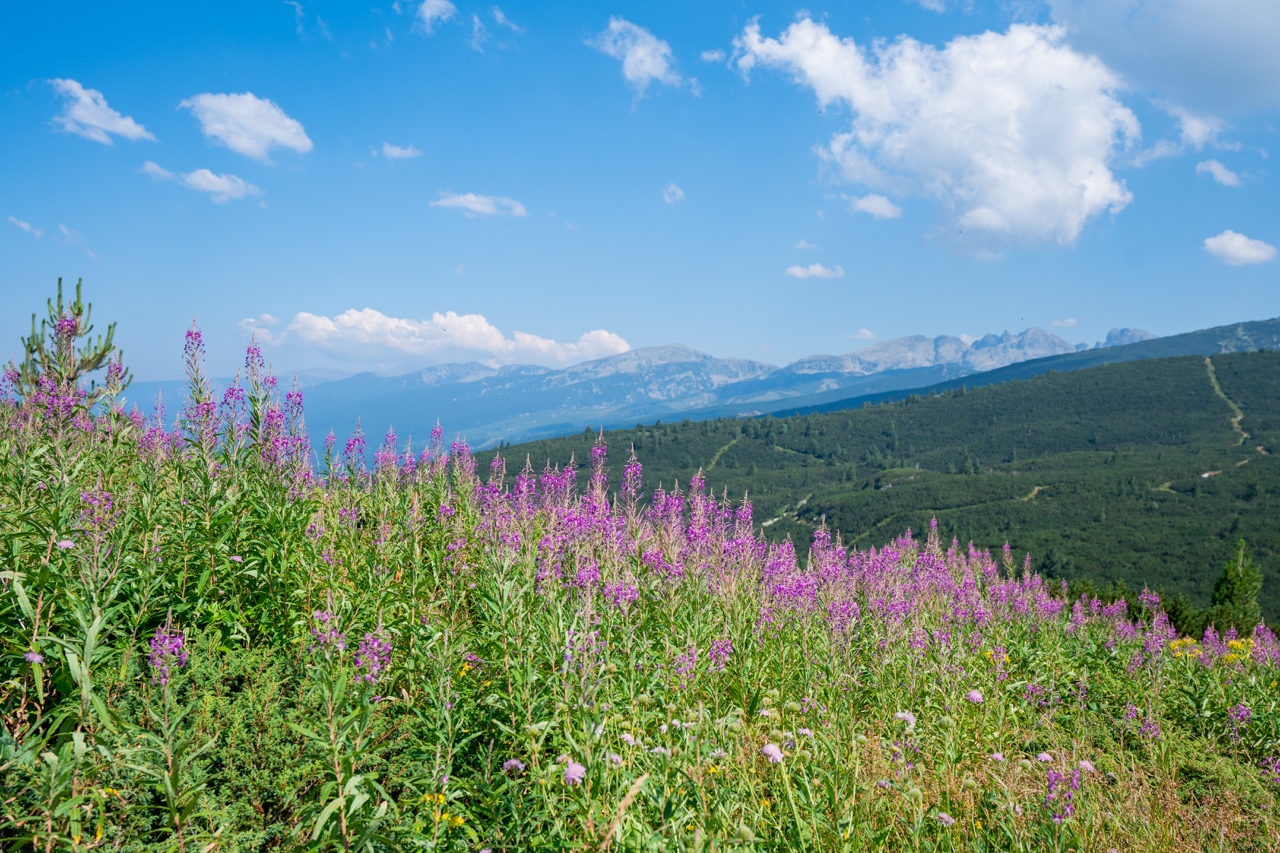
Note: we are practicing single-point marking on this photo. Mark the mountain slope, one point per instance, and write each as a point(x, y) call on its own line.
point(1127, 472)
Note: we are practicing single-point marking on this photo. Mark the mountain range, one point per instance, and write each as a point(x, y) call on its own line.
point(487, 405)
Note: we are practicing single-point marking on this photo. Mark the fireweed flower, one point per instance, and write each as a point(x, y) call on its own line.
point(373, 657)
point(166, 652)
point(773, 752)
point(325, 634)
point(574, 773)
point(974, 696)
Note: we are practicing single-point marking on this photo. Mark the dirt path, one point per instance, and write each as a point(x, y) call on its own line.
point(1236, 414)
point(1037, 490)
point(720, 452)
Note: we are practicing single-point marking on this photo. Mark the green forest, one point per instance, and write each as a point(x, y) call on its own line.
point(1145, 473)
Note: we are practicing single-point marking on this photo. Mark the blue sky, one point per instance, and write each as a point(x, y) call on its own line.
point(393, 185)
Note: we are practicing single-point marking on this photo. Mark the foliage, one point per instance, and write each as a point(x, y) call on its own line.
point(1129, 474)
point(51, 359)
point(207, 644)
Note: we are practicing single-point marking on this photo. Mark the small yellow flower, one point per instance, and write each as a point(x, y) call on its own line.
point(711, 768)
point(977, 824)
point(456, 820)
point(466, 667)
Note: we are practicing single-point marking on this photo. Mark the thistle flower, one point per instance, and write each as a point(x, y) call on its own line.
point(574, 773)
point(34, 657)
point(64, 544)
point(945, 819)
point(773, 752)
point(974, 696)
point(1087, 766)
point(1044, 757)
point(513, 765)
point(908, 718)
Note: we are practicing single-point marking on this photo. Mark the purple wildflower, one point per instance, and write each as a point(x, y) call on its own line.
point(166, 652)
point(974, 696)
point(34, 657)
point(773, 752)
point(373, 656)
point(513, 765)
point(64, 544)
point(945, 819)
point(574, 773)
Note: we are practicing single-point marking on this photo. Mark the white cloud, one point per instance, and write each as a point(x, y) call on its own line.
point(1218, 172)
point(815, 271)
point(1213, 56)
point(445, 336)
point(1012, 133)
point(479, 34)
point(805, 244)
point(1237, 249)
point(877, 205)
point(481, 205)
point(933, 5)
point(299, 15)
point(645, 57)
point(1068, 323)
point(500, 18)
point(247, 124)
point(716, 55)
point(672, 194)
point(221, 188)
point(396, 152)
point(26, 226)
point(433, 12)
point(863, 335)
point(86, 114)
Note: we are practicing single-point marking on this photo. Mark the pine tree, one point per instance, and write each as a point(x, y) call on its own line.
point(52, 352)
point(1235, 596)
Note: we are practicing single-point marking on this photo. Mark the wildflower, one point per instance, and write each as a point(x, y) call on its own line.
point(166, 651)
point(513, 765)
point(1240, 714)
point(1043, 757)
point(628, 738)
point(974, 696)
point(1087, 766)
point(574, 773)
point(908, 718)
point(614, 758)
point(997, 756)
point(34, 657)
point(773, 752)
point(236, 558)
point(373, 656)
point(945, 819)
point(805, 732)
point(64, 544)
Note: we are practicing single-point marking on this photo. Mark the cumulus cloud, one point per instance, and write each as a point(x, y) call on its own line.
point(433, 12)
point(805, 244)
point(85, 113)
point(1068, 323)
point(863, 335)
point(645, 57)
point(444, 336)
point(26, 226)
point(815, 271)
point(672, 194)
point(247, 124)
point(877, 205)
point(1218, 172)
point(396, 152)
point(1238, 250)
point(716, 55)
point(1208, 55)
point(221, 188)
point(1011, 133)
point(481, 205)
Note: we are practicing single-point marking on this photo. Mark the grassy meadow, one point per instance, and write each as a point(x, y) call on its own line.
point(213, 637)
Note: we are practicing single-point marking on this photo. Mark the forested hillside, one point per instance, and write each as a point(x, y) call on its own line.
point(1127, 472)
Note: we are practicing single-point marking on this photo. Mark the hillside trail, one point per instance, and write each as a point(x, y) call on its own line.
point(720, 452)
point(1237, 415)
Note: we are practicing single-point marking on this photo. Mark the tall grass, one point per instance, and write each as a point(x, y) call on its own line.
point(214, 639)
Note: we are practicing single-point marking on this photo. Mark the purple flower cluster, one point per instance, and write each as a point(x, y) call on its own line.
point(325, 634)
point(167, 652)
point(373, 657)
